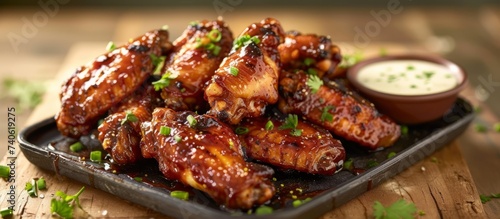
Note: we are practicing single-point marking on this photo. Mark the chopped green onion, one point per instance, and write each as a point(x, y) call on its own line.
point(269, 125)
point(164, 81)
point(129, 117)
point(183, 195)
point(312, 71)
point(215, 35)
point(371, 163)
point(404, 130)
point(234, 71)
point(216, 50)
point(164, 130)
point(391, 155)
point(95, 156)
point(177, 138)
point(111, 46)
point(263, 210)
point(240, 130)
point(194, 23)
point(496, 127)
point(245, 40)
point(309, 61)
point(6, 212)
point(30, 187)
point(191, 120)
point(297, 203)
point(99, 122)
point(41, 184)
point(349, 164)
point(138, 179)
point(76, 147)
point(480, 128)
point(4, 172)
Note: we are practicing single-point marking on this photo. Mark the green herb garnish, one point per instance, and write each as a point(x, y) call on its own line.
point(428, 74)
point(371, 163)
point(487, 198)
point(240, 130)
point(191, 120)
point(326, 115)
point(177, 138)
point(410, 67)
point(314, 83)
point(496, 127)
point(309, 61)
point(297, 203)
point(215, 35)
point(391, 155)
point(263, 210)
point(399, 209)
point(41, 184)
point(183, 195)
point(349, 60)
point(165, 131)
point(312, 71)
point(129, 117)
point(269, 125)
point(291, 122)
point(30, 187)
point(164, 81)
point(138, 179)
point(404, 129)
point(110, 46)
point(4, 171)
point(6, 212)
point(245, 40)
point(76, 147)
point(349, 164)
point(95, 156)
point(234, 71)
point(480, 128)
point(63, 204)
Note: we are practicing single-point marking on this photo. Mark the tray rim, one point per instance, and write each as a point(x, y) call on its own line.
point(319, 205)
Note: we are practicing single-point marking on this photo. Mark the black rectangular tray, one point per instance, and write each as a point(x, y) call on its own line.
point(326, 192)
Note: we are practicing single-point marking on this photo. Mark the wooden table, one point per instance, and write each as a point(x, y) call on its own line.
point(440, 189)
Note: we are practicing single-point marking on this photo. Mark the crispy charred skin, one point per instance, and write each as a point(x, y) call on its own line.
point(314, 151)
point(309, 52)
point(94, 88)
point(197, 53)
point(247, 80)
point(353, 120)
point(121, 137)
point(206, 157)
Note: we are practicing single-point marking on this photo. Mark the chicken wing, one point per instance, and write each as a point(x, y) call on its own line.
point(337, 111)
point(120, 132)
point(94, 88)
point(307, 149)
point(197, 53)
point(247, 80)
point(309, 52)
point(204, 153)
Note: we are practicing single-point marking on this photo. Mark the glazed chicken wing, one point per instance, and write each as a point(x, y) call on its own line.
point(120, 132)
point(309, 52)
point(202, 152)
point(197, 53)
point(337, 111)
point(247, 80)
point(94, 88)
point(310, 149)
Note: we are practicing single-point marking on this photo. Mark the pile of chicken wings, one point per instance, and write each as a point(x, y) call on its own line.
point(218, 112)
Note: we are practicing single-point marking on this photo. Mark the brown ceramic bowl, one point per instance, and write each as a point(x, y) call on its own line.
point(411, 109)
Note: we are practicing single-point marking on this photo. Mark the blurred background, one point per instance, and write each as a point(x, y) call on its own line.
point(36, 36)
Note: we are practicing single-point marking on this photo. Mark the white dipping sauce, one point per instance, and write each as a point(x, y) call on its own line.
point(407, 77)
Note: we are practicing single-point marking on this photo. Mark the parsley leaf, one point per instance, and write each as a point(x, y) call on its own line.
point(314, 83)
point(399, 209)
point(291, 122)
point(63, 204)
point(325, 114)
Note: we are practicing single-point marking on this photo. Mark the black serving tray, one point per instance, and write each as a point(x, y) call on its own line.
point(326, 192)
